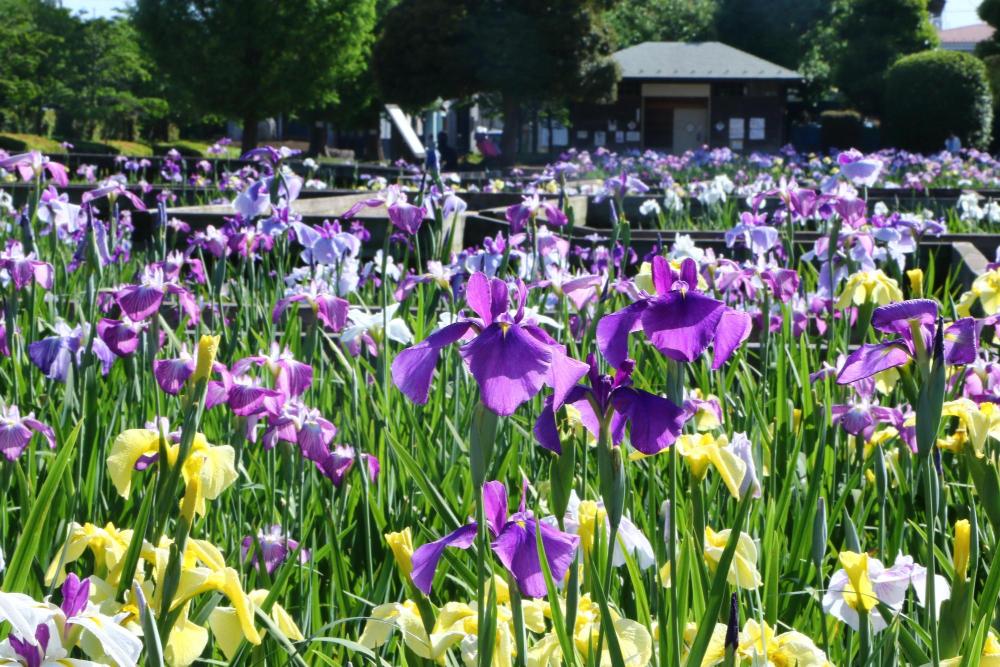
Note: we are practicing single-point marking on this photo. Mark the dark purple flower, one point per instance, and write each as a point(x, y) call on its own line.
point(172, 374)
point(514, 543)
point(913, 324)
point(336, 463)
point(654, 422)
point(510, 359)
point(16, 431)
point(75, 595)
point(31, 654)
point(140, 302)
point(121, 336)
point(246, 397)
point(679, 321)
point(274, 546)
point(23, 269)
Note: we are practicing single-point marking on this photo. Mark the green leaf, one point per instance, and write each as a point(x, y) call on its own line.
point(31, 534)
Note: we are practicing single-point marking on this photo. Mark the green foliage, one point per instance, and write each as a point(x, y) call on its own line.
point(874, 34)
point(637, 21)
point(933, 94)
point(751, 25)
point(19, 143)
point(256, 58)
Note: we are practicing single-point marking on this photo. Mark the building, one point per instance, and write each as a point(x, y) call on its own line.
point(965, 38)
point(677, 96)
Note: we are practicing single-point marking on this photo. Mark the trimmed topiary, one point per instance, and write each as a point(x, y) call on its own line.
point(930, 95)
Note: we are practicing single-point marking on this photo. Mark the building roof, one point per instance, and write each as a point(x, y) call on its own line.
point(696, 61)
point(967, 34)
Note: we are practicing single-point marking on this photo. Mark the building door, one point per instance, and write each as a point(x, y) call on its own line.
point(658, 123)
point(690, 128)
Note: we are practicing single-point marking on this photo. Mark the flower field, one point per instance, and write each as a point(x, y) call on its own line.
point(268, 441)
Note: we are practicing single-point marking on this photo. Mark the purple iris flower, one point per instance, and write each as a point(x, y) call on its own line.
point(274, 546)
point(514, 543)
point(54, 354)
point(510, 358)
point(30, 166)
point(291, 377)
point(406, 217)
point(329, 308)
point(679, 321)
point(23, 269)
point(518, 215)
point(859, 169)
point(212, 239)
point(336, 463)
point(904, 320)
point(245, 395)
point(172, 374)
point(269, 154)
point(654, 422)
point(16, 431)
point(176, 261)
point(121, 336)
point(112, 189)
point(140, 302)
point(299, 424)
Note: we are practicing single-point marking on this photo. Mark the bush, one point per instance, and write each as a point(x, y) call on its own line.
point(841, 128)
point(932, 94)
point(185, 148)
point(20, 143)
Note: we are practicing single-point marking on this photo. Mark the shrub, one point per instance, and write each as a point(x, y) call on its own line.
point(840, 128)
point(932, 94)
point(19, 143)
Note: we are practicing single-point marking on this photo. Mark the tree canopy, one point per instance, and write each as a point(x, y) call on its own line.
point(522, 50)
point(637, 21)
point(256, 58)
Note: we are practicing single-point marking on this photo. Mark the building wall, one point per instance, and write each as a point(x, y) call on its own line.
point(757, 106)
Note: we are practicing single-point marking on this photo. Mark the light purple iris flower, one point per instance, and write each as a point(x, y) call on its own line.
point(654, 422)
point(679, 321)
point(514, 543)
point(274, 546)
point(176, 261)
point(142, 301)
point(291, 377)
point(329, 308)
point(31, 165)
point(406, 217)
point(23, 269)
point(859, 169)
point(54, 354)
point(510, 358)
point(961, 340)
point(16, 431)
point(269, 154)
point(112, 189)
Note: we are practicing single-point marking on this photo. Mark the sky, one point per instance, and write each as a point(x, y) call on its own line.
point(956, 12)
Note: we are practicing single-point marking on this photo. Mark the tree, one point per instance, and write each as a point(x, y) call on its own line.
point(753, 26)
point(637, 21)
point(874, 34)
point(525, 51)
point(250, 59)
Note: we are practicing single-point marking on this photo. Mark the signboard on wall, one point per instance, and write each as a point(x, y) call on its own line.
point(735, 128)
point(757, 129)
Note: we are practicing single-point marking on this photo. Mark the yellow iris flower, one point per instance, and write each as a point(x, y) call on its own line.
point(401, 544)
point(108, 546)
point(981, 420)
point(859, 592)
point(869, 286)
point(207, 471)
point(743, 569)
point(703, 450)
point(229, 630)
point(986, 290)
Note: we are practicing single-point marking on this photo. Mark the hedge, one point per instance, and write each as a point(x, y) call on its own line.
point(932, 94)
